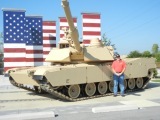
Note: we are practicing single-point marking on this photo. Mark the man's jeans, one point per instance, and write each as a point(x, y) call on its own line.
point(120, 80)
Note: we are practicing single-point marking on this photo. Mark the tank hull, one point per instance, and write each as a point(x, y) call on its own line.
point(83, 74)
point(89, 73)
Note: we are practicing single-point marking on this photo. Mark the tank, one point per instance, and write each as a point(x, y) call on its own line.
point(81, 72)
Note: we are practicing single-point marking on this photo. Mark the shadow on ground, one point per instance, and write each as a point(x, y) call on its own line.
point(152, 85)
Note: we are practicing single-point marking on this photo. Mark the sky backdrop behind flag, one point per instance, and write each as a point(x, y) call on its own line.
point(129, 24)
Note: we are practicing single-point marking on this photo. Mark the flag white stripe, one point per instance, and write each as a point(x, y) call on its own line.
point(49, 34)
point(66, 24)
point(44, 56)
point(87, 37)
point(86, 44)
point(47, 48)
point(14, 64)
point(49, 27)
point(34, 63)
point(34, 55)
point(49, 41)
point(61, 32)
point(91, 20)
point(14, 55)
point(14, 45)
point(96, 29)
point(34, 47)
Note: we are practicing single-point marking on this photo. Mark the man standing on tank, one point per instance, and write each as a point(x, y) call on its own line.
point(118, 68)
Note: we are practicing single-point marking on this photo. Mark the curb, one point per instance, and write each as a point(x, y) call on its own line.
point(26, 116)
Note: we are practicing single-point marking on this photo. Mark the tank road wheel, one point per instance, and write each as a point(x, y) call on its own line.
point(74, 91)
point(102, 87)
point(139, 82)
point(90, 89)
point(111, 85)
point(150, 73)
point(131, 83)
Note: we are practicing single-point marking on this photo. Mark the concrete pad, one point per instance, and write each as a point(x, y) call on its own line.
point(114, 108)
point(140, 103)
point(25, 116)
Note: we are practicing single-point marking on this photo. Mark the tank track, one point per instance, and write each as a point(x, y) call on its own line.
point(49, 89)
point(21, 86)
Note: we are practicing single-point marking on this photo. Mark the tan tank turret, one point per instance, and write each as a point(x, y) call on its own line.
point(78, 72)
point(76, 53)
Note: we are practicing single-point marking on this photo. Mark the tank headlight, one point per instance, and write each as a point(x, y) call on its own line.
point(30, 72)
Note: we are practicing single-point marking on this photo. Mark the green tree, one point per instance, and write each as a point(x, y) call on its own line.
point(107, 42)
point(134, 54)
point(157, 56)
point(146, 54)
point(155, 48)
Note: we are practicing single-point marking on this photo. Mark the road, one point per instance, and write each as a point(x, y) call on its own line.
point(19, 104)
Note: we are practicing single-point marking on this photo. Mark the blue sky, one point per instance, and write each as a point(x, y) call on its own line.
point(129, 24)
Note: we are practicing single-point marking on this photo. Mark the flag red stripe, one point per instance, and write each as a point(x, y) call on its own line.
point(63, 27)
point(46, 52)
point(14, 50)
point(86, 41)
point(61, 35)
point(6, 68)
point(91, 33)
point(34, 59)
point(49, 38)
point(45, 23)
point(22, 59)
point(49, 45)
point(34, 51)
point(63, 19)
point(49, 31)
point(91, 25)
point(91, 16)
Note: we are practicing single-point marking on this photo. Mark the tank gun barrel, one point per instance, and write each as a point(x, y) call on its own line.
point(73, 31)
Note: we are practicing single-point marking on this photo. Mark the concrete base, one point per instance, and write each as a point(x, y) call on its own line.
point(114, 108)
point(25, 116)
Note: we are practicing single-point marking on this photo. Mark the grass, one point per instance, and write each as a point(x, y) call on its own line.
point(155, 80)
point(158, 64)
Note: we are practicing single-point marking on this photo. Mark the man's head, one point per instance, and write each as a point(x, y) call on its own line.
point(117, 56)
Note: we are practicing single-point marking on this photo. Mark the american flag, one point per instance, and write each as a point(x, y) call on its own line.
point(14, 42)
point(26, 43)
point(63, 23)
point(49, 38)
point(33, 39)
point(91, 27)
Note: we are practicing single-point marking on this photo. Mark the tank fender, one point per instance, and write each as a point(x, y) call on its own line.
point(38, 74)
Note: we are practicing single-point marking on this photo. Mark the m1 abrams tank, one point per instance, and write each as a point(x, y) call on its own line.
point(81, 72)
